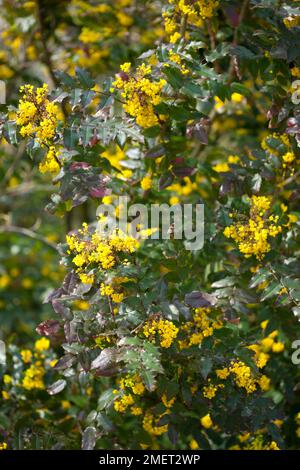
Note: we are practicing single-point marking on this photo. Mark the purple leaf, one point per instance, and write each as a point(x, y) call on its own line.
point(198, 299)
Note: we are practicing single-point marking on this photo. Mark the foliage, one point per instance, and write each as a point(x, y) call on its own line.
point(158, 346)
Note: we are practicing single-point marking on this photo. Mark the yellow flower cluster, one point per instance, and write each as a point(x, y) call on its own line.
point(170, 28)
point(243, 378)
point(252, 236)
point(297, 420)
point(34, 374)
point(242, 375)
point(123, 403)
point(141, 95)
point(266, 345)
point(256, 442)
point(88, 36)
point(201, 326)
point(42, 344)
point(33, 377)
point(128, 385)
point(36, 115)
point(279, 146)
point(206, 421)
point(176, 59)
point(110, 291)
point(291, 21)
point(3, 445)
point(50, 163)
point(165, 329)
point(167, 403)
point(202, 9)
point(195, 13)
point(146, 183)
point(210, 390)
point(150, 424)
point(295, 71)
point(134, 382)
point(224, 166)
point(93, 249)
point(26, 355)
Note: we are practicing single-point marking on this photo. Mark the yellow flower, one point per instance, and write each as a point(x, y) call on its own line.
point(194, 445)
point(210, 391)
point(237, 97)
point(175, 37)
point(206, 421)
point(123, 403)
point(88, 36)
point(65, 404)
point(4, 281)
point(50, 163)
point(243, 376)
point(5, 395)
point(221, 168)
point(33, 377)
point(267, 343)
point(146, 183)
point(168, 403)
point(7, 379)
point(278, 347)
point(222, 373)
point(141, 94)
point(253, 236)
point(166, 330)
point(42, 344)
point(264, 324)
point(150, 425)
point(125, 67)
point(136, 410)
point(37, 116)
point(264, 383)
point(26, 355)
point(27, 283)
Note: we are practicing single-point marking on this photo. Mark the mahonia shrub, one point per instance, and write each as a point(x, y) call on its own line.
point(175, 348)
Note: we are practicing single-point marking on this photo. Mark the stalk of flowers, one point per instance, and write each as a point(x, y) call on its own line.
point(130, 388)
point(201, 326)
point(30, 368)
point(242, 377)
point(199, 8)
point(140, 94)
point(91, 251)
point(193, 12)
point(265, 346)
point(37, 118)
point(257, 441)
point(162, 330)
point(279, 146)
point(252, 236)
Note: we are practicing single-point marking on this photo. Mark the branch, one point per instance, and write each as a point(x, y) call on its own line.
point(27, 233)
point(235, 36)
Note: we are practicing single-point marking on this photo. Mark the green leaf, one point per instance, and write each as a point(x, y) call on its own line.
point(271, 290)
point(71, 137)
point(105, 399)
point(84, 78)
